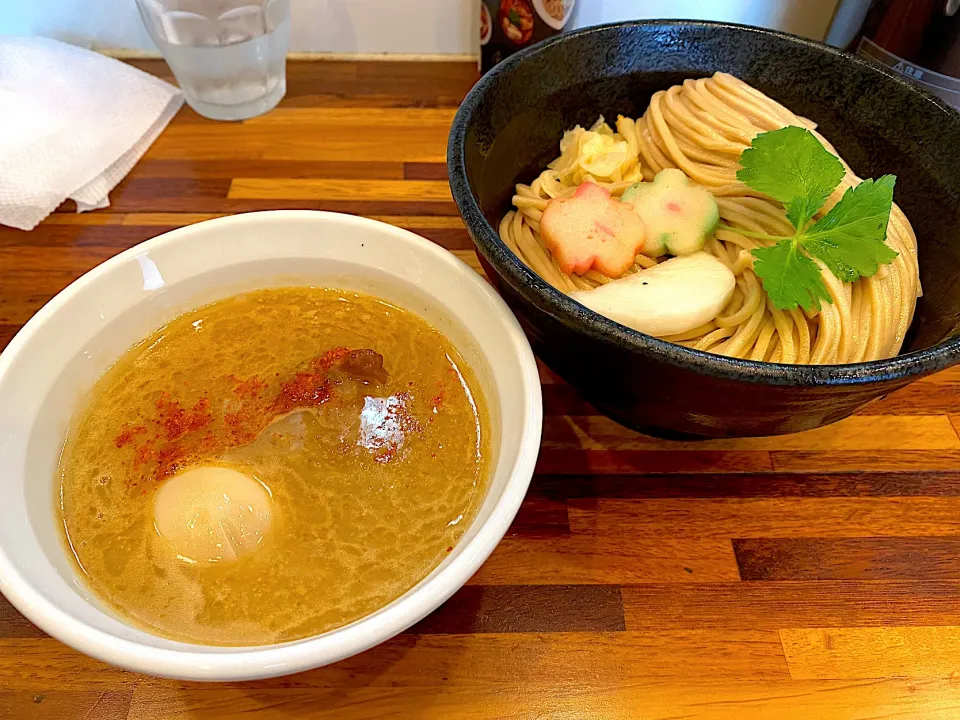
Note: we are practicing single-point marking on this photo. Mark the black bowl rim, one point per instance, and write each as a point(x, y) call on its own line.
point(577, 317)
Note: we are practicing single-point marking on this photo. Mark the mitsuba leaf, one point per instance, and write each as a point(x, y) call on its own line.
point(790, 277)
point(850, 238)
point(791, 166)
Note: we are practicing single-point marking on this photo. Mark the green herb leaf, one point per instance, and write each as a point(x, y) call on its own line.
point(790, 277)
point(514, 17)
point(791, 166)
point(850, 238)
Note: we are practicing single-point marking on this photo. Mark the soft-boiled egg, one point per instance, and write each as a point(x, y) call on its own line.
point(212, 514)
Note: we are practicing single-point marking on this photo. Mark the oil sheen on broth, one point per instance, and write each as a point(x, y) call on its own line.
point(273, 466)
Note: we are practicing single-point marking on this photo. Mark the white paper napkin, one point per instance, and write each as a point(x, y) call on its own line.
point(72, 125)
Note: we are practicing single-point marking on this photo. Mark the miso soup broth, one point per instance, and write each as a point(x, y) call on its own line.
point(273, 466)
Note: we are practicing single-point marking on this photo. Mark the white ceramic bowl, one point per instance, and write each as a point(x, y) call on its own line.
point(59, 354)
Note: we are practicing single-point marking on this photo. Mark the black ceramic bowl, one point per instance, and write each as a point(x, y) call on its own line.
point(508, 129)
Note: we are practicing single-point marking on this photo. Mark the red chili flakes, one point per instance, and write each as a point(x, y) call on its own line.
point(330, 358)
point(437, 401)
point(305, 390)
point(145, 453)
point(126, 437)
point(248, 389)
point(240, 427)
point(397, 422)
point(177, 421)
point(170, 459)
point(177, 436)
point(200, 416)
point(402, 414)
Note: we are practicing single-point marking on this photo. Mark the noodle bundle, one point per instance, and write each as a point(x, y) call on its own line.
point(701, 127)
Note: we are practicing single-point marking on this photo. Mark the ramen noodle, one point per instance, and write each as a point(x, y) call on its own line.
point(689, 142)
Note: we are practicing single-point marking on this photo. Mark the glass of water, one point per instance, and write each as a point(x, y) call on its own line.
point(229, 56)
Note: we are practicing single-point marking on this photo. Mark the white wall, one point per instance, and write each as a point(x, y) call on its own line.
point(394, 26)
point(338, 26)
point(801, 17)
point(91, 23)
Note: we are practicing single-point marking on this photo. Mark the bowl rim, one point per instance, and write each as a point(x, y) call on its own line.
point(218, 663)
point(580, 319)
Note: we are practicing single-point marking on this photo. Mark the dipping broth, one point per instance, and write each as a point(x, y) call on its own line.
point(273, 466)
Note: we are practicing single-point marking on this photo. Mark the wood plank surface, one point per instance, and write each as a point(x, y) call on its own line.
point(810, 577)
point(860, 652)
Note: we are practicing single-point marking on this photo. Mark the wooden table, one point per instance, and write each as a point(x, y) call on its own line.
point(795, 578)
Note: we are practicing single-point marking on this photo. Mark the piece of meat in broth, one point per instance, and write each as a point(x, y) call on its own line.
point(331, 386)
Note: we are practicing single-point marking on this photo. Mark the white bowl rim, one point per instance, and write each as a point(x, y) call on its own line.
point(213, 663)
